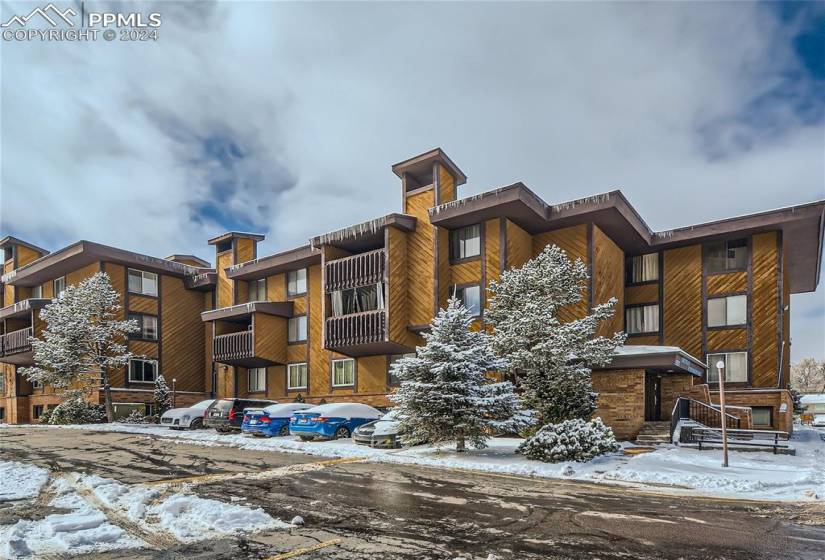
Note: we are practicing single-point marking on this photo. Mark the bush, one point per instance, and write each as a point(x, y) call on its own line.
point(75, 410)
point(571, 440)
point(135, 417)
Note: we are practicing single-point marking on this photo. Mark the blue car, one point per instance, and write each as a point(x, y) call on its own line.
point(331, 421)
point(272, 420)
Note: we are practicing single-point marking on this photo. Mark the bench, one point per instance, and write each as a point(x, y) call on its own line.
point(769, 439)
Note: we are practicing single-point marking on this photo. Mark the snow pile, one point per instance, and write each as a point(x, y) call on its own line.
point(344, 410)
point(20, 481)
point(571, 440)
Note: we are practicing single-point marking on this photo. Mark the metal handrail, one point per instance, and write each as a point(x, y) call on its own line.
point(702, 413)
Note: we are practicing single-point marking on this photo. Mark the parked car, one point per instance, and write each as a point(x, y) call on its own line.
point(331, 421)
point(226, 415)
point(272, 420)
point(189, 417)
point(382, 433)
point(818, 421)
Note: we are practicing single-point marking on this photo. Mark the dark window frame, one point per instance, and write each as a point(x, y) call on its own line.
point(724, 243)
point(630, 306)
point(462, 288)
point(143, 371)
point(306, 329)
point(139, 317)
point(292, 294)
point(306, 374)
point(453, 247)
point(332, 373)
point(628, 270)
point(727, 326)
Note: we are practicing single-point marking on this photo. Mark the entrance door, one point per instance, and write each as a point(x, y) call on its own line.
point(653, 397)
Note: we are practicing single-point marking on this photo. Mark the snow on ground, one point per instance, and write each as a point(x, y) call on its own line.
point(757, 475)
point(20, 480)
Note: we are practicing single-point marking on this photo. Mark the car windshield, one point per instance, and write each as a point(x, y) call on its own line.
point(391, 416)
point(223, 404)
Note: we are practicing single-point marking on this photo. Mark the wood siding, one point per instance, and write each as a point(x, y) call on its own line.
point(726, 339)
point(608, 280)
point(226, 293)
point(519, 245)
point(446, 186)
point(81, 274)
point(181, 332)
point(764, 310)
point(573, 240)
point(397, 287)
point(270, 336)
point(319, 383)
point(731, 282)
point(420, 256)
point(647, 293)
point(683, 299)
point(143, 304)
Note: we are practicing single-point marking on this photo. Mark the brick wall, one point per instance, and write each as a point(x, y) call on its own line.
point(621, 400)
point(772, 398)
point(674, 385)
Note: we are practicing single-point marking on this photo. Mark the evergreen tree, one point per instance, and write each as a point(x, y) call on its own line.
point(162, 396)
point(446, 393)
point(83, 339)
point(548, 358)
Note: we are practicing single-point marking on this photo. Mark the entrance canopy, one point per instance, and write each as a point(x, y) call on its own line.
point(669, 359)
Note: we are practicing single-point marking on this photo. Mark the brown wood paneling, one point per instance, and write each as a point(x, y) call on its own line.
point(226, 294)
point(683, 299)
point(420, 256)
point(492, 256)
point(729, 282)
point(182, 333)
point(81, 274)
point(465, 273)
point(372, 374)
point(270, 337)
point(443, 268)
point(143, 304)
point(764, 310)
point(296, 353)
point(275, 382)
point(318, 357)
point(446, 186)
point(608, 280)
point(397, 286)
point(245, 250)
point(241, 291)
point(785, 349)
point(26, 255)
point(519, 246)
point(647, 293)
point(145, 349)
point(276, 287)
point(117, 276)
point(727, 339)
point(8, 289)
point(645, 340)
point(573, 240)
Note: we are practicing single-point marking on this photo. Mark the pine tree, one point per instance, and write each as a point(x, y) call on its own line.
point(162, 396)
point(446, 393)
point(550, 359)
point(83, 339)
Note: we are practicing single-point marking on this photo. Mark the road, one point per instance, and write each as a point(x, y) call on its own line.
point(367, 510)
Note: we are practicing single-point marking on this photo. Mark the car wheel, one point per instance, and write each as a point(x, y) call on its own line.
point(284, 431)
point(342, 433)
point(306, 438)
point(196, 424)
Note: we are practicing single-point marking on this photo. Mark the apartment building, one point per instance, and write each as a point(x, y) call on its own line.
point(326, 320)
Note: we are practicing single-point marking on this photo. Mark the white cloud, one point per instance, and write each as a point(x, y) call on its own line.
point(572, 99)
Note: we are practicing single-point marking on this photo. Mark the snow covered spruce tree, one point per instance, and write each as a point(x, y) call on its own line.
point(83, 339)
point(548, 358)
point(445, 392)
point(162, 396)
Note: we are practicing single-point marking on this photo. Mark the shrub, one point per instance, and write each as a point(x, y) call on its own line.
point(75, 410)
point(571, 440)
point(135, 417)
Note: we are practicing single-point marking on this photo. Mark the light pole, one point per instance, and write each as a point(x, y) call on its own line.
point(173, 392)
point(720, 365)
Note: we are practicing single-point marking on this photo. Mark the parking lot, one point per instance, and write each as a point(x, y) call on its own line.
point(355, 509)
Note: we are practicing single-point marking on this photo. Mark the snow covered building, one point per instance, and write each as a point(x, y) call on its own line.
point(326, 320)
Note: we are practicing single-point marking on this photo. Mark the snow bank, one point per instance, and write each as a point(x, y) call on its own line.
point(20, 481)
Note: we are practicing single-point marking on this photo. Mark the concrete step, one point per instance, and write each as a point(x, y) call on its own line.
point(653, 438)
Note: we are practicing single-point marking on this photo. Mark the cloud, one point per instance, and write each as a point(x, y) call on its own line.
point(285, 117)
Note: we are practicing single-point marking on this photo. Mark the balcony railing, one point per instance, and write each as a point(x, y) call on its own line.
point(358, 270)
point(234, 346)
point(16, 342)
point(359, 328)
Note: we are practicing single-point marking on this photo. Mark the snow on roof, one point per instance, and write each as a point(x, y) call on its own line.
point(644, 350)
point(285, 409)
point(346, 410)
point(817, 398)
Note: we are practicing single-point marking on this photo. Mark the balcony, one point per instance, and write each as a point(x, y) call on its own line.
point(361, 334)
point(15, 347)
point(233, 348)
point(358, 270)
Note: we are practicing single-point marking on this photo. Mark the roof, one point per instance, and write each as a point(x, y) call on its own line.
point(817, 398)
point(82, 253)
point(349, 237)
point(236, 234)
point(10, 240)
point(273, 264)
point(420, 167)
point(179, 258)
point(244, 310)
point(670, 359)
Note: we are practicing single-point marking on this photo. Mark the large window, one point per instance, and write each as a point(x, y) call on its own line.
point(470, 296)
point(296, 282)
point(762, 415)
point(727, 255)
point(642, 268)
point(357, 300)
point(343, 373)
point(727, 311)
point(148, 325)
point(143, 371)
point(736, 367)
point(256, 379)
point(642, 319)
point(392, 378)
point(297, 329)
point(465, 242)
point(296, 376)
point(256, 290)
point(59, 286)
point(144, 283)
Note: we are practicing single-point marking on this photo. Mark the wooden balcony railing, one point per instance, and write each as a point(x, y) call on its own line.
point(358, 270)
point(359, 328)
point(234, 346)
point(16, 342)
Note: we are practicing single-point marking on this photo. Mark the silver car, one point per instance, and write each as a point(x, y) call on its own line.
point(382, 433)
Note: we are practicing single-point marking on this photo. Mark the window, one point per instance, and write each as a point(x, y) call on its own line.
point(393, 379)
point(297, 329)
point(357, 300)
point(296, 282)
point(728, 255)
point(736, 367)
point(465, 242)
point(256, 290)
point(145, 283)
point(470, 296)
point(37, 292)
point(296, 376)
point(762, 415)
point(642, 319)
point(256, 379)
point(2, 384)
point(725, 311)
point(143, 371)
point(37, 384)
point(37, 411)
point(148, 325)
point(59, 286)
point(343, 373)
point(2, 413)
point(123, 410)
point(642, 268)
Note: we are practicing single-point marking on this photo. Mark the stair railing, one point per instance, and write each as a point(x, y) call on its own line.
point(702, 413)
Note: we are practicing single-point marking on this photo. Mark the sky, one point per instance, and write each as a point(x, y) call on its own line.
point(284, 118)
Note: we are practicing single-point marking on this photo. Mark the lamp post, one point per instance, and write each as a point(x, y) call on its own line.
point(173, 392)
point(720, 366)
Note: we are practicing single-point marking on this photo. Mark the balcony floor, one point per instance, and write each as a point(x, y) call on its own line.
point(371, 349)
